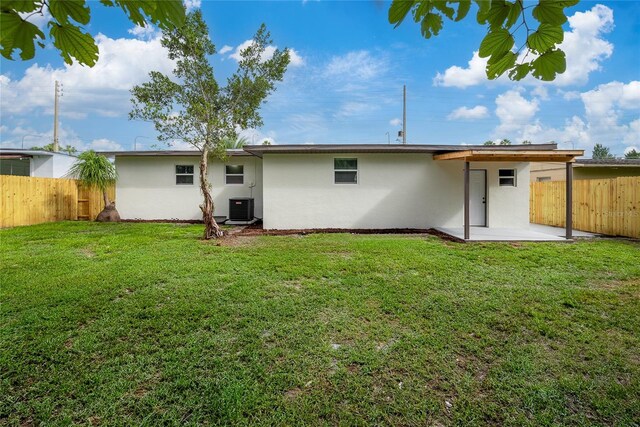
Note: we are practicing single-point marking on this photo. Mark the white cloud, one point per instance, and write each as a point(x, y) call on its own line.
point(583, 45)
point(295, 60)
point(256, 137)
point(225, 49)
point(144, 33)
point(630, 149)
point(477, 112)
point(104, 144)
point(395, 122)
point(355, 108)
point(192, 4)
point(38, 19)
point(610, 118)
point(102, 89)
point(541, 92)
point(514, 112)
point(569, 95)
point(460, 77)
point(360, 65)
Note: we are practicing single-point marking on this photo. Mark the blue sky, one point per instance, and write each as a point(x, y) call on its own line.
point(345, 84)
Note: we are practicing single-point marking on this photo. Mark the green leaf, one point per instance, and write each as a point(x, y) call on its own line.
point(71, 42)
point(519, 72)
point(421, 11)
point(483, 9)
point(550, 12)
point(463, 9)
point(498, 13)
point(18, 5)
point(441, 5)
point(496, 67)
point(77, 10)
point(496, 42)
point(546, 66)
point(132, 9)
point(545, 38)
point(514, 13)
point(431, 25)
point(398, 11)
point(16, 33)
point(167, 14)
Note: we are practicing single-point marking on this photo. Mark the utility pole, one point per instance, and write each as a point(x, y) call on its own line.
point(404, 114)
point(56, 146)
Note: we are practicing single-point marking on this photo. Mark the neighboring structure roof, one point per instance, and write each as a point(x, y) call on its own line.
point(260, 150)
point(233, 152)
point(7, 153)
point(608, 162)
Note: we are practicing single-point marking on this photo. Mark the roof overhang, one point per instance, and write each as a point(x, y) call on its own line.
point(566, 156)
point(261, 150)
point(167, 153)
point(5, 156)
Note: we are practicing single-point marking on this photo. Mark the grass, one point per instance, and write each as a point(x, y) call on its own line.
point(144, 324)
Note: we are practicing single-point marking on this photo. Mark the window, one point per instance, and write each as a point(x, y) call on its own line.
point(345, 171)
point(507, 177)
point(543, 178)
point(234, 174)
point(20, 167)
point(184, 174)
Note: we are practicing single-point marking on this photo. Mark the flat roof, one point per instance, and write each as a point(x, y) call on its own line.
point(234, 152)
point(608, 162)
point(30, 153)
point(260, 150)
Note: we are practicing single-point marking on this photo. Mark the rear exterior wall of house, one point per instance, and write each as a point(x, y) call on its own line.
point(392, 191)
point(147, 187)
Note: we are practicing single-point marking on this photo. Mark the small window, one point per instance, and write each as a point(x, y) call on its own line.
point(507, 177)
point(345, 171)
point(184, 174)
point(543, 178)
point(234, 174)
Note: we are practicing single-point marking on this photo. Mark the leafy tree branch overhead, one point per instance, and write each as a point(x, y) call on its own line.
point(65, 26)
point(521, 39)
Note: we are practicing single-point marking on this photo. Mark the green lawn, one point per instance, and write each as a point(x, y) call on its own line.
point(129, 324)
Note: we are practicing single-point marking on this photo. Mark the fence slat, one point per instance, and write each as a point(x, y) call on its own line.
point(605, 206)
point(27, 200)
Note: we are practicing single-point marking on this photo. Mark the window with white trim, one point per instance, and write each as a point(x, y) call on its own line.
point(234, 174)
point(507, 177)
point(345, 171)
point(184, 174)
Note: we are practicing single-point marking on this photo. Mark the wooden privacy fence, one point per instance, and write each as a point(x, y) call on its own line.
point(26, 200)
point(606, 206)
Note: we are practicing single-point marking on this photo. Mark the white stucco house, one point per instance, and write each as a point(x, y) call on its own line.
point(342, 186)
point(36, 163)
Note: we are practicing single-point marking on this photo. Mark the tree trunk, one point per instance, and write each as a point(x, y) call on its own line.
point(109, 213)
point(211, 228)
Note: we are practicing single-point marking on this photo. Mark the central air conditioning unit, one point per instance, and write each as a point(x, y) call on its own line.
point(241, 209)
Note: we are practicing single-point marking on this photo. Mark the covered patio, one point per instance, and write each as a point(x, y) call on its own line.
point(535, 233)
point(472, 233)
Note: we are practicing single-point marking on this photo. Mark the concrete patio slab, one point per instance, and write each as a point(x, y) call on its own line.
point(559, 231)
point(484, 234)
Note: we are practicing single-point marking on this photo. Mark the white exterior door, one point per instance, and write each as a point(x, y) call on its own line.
point(478, 197)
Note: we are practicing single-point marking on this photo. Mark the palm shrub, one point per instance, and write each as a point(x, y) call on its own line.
point(95, 171)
